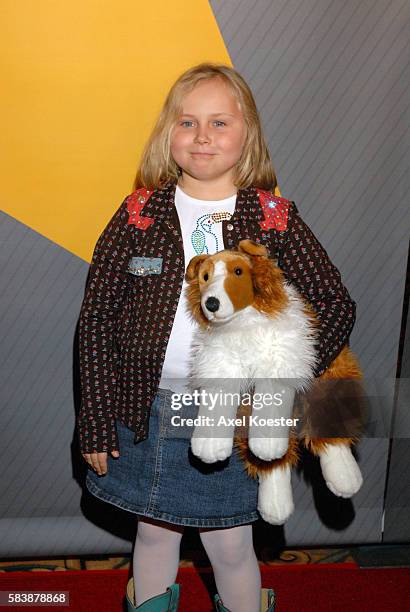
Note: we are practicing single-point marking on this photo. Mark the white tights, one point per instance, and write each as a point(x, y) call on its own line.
point(230, 551)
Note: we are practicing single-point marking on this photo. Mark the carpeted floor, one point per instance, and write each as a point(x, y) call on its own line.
point(298, 588)
point(193, 555)
point(189, 558)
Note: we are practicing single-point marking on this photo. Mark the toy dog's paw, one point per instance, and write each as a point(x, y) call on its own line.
point(268, 448)
point(276, 513)
point(275, 499)
point(210, 450)
point(340, 470)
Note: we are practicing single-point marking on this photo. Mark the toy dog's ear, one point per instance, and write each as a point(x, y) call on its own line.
point(267, 278)
point(193, 266)
point(252, 248)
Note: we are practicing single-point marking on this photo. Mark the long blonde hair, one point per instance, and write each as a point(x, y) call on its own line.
point(254, 167)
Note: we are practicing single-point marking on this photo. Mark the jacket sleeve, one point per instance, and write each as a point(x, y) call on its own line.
point(307, 265)
point(101, 306)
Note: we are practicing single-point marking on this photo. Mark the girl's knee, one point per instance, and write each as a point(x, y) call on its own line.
point(229, 547)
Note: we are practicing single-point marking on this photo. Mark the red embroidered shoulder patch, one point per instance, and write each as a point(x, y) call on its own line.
point(275, 210)
point(135, 203)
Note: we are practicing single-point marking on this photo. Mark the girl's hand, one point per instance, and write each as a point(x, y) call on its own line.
point(98, 461)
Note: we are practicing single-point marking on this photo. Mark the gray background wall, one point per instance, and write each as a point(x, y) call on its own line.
point(329, 80)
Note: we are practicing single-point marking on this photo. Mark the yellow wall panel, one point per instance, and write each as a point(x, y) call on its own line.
point(83, 81)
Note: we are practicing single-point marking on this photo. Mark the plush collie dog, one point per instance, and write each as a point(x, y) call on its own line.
point(257, 333)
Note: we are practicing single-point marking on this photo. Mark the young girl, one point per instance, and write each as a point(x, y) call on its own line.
point(198, 190)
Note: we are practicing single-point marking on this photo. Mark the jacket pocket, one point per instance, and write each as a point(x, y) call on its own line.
point(143, 278)
point(144, 266)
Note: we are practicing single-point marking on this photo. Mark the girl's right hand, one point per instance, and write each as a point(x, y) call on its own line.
point(98, 461)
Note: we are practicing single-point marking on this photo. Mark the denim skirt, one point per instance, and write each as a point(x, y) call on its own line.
point(160, 477)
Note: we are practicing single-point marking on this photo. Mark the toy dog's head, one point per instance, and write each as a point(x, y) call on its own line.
point(222, 285)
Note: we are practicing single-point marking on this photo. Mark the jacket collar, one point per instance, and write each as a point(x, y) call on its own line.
point(161, 204)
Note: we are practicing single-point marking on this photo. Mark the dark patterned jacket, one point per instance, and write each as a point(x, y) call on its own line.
point(126, 318)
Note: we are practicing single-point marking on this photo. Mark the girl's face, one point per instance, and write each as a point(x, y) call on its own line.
point(210, 133)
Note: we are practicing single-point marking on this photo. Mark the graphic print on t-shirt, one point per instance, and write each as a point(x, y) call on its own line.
point(203, 238)
point(201, 229)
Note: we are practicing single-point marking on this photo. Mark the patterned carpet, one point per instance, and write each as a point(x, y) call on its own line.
point(188, 558)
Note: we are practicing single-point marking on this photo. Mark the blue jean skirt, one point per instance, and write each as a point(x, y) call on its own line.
point(160, 477)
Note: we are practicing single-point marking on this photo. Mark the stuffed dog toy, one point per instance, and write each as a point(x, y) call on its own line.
point(257, 334)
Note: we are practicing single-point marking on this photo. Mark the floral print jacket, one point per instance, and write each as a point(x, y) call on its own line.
point(127, 313)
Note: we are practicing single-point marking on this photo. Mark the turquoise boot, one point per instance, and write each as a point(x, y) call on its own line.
point(267, 602)
point(166, 602)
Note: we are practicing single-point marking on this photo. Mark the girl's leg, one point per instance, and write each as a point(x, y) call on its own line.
point(155, 558)
point(236, 568)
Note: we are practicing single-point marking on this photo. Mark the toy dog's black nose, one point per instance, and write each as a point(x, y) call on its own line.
point(212, 304)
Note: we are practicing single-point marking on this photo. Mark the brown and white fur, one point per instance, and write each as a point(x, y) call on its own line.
point(257, 331)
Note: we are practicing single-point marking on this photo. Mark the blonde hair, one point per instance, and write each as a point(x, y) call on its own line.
point(254, 167)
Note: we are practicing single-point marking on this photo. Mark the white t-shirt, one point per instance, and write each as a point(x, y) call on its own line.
point(201, 227)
